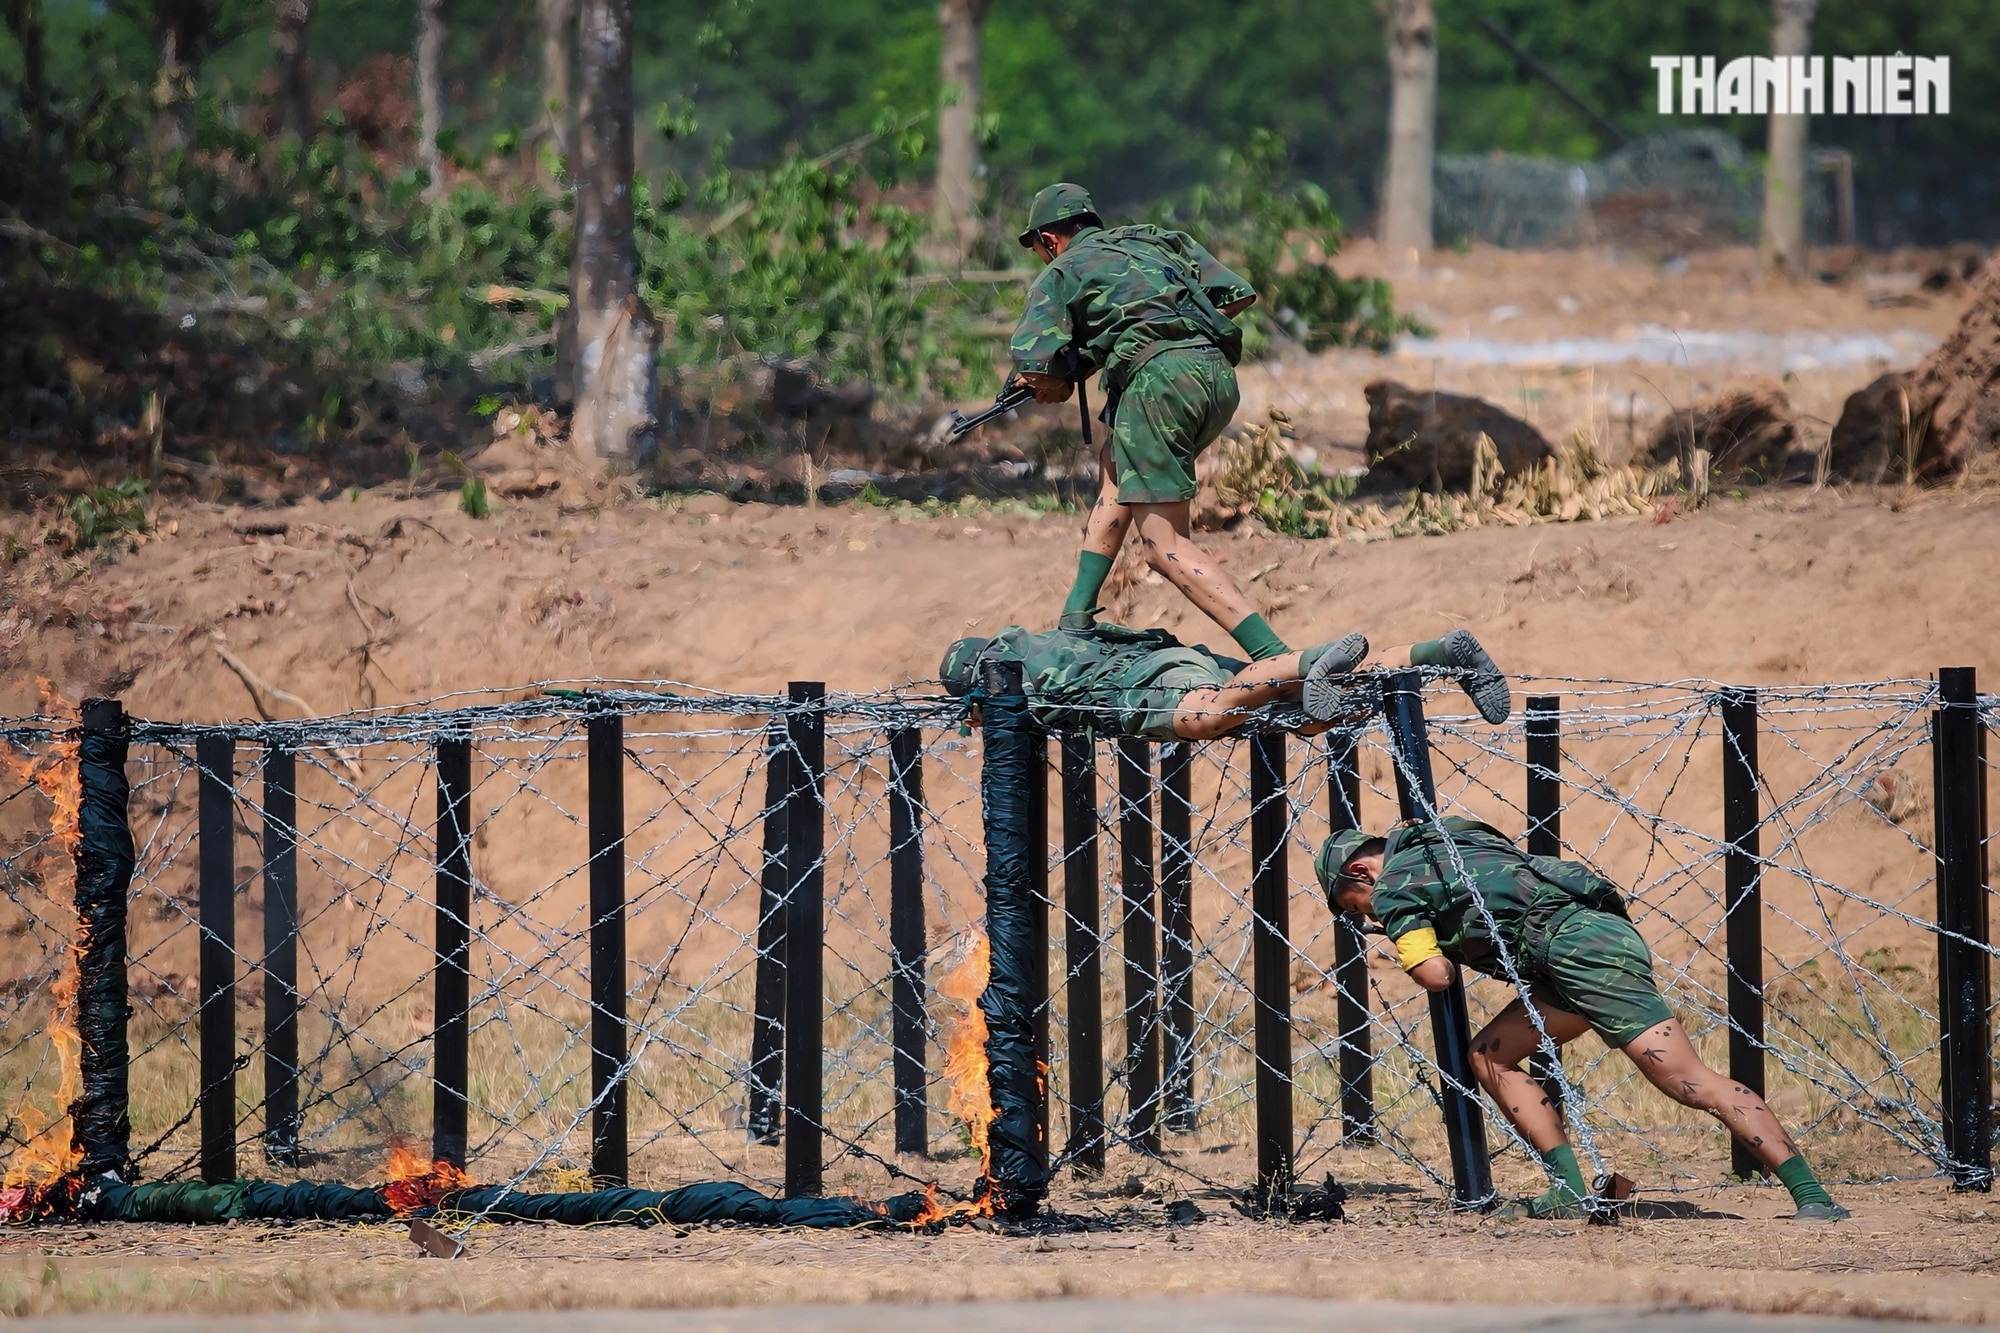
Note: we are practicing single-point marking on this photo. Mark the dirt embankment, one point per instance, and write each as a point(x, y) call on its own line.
point(380, 600)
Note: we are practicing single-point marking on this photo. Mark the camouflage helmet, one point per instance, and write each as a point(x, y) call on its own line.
point(1335, 853)
point(960, 660)
point(1057, 203)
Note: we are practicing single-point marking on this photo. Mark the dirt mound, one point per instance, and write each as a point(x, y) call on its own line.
point(1751, 432)
point(1432, 439)
point(1931, 423)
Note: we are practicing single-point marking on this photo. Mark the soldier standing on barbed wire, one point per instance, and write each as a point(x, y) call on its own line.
point(1459, 893)
point(1153, 310)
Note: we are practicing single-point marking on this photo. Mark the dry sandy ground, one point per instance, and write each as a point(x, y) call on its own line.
point(382, 600)
point(1912, 1251)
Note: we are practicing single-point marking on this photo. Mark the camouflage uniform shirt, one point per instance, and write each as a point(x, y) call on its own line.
point(1118, 295)
point(1112, 680)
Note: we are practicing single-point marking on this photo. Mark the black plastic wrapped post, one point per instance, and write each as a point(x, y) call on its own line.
point(281, 955)
point(1350, 959)
point(606, 759)
point(215, 758)
point(1082, 955)
point(1271, 963)
point(452, 981)
point(1141, 933)
point(1743, 906)
point(765, 1091)
point(1013, 748)
point(805, 939)
point(908, 947)
point(100, 1117)
point(1177, 932)
point(1451, 1030)
point(1036, 976)
point(1544, 727)
point(1958, 759)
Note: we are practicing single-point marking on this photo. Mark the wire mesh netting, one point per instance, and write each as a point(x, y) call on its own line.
point(1848, 906)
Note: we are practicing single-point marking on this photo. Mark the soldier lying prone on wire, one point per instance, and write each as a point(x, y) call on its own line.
point(1458, 893)
point(1133, 682)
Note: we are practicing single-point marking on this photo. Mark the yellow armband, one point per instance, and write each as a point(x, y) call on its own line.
point(1419, 946)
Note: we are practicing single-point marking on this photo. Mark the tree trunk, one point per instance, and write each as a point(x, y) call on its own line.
point(288, 57)
point(614, 340)
point(183, 29)
point(430, 93)
point(25, 23)
point(952, 210)
point(558, 49)
point(1783, 244)
point(1413, 74)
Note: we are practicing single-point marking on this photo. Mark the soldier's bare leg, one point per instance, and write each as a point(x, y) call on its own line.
point(1499, 1056)
point(1168, 547)
point(1669, 1061)
point(1208, 713)
point(1103, 533)
point(1461, 652)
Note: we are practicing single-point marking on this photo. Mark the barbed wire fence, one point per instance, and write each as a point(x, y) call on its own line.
point(582, 934)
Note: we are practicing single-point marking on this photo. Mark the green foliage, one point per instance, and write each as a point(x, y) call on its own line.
point(472, 498)
point(1284, 236)
point(106, 512)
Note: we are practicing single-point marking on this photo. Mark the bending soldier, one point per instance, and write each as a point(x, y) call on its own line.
point(1459, 893)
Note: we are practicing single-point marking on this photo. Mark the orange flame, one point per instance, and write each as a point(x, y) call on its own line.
point(50, 1152)
point(966, 1070)
point(415, 1184)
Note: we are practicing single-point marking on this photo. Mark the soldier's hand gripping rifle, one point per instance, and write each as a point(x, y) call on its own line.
point(1068, 365)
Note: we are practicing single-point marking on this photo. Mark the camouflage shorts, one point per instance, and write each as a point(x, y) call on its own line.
point(1597, 965)
point(1148, 710)
point(1172, 410)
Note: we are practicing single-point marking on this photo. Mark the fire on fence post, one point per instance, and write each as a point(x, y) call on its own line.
point(1013, 746)
point(452, 944)
point(1464, 1122)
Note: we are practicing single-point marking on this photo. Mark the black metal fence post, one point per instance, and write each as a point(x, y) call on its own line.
point(100, 1117)
point(1081, 955)
point(452, 982)
point(605, 744)
point(1743, 905)
point(1177, 932)
point(1958, 761)
point(1271, 963)
point(1350, 959)
point(908, 945)
point(215, 756)
point(1544, 727)
point(1037, 975)
point(805, 939)
point(1141, 935)
point(765, 1090)
point(1015, 749)
point(1464, 1121)
point(282, 1124)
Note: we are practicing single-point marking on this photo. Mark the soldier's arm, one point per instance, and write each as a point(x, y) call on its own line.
point(1231, 294)
point(1043, 330)
point(1400, 901)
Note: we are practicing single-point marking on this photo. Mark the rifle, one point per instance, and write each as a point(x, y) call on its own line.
point(1012, 394)
point(1068, 365)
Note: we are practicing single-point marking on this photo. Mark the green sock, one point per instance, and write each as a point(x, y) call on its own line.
point(1428, 653)
point(1258, 639)
point(1091, 571)
point(1797, 1177)
point(1568, 1191)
